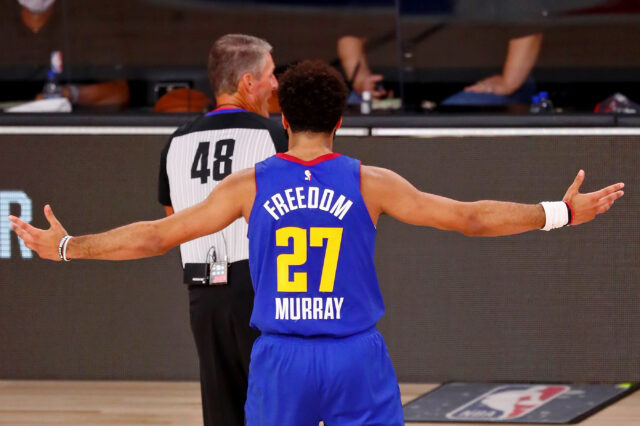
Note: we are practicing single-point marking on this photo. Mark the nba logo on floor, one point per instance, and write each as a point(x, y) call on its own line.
point(507, 402)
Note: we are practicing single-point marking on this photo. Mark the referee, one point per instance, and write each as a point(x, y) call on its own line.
point(234, 136)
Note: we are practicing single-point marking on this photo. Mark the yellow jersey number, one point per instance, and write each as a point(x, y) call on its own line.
point(299, 257)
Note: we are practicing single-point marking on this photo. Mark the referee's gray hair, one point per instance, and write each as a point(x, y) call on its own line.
point(232, 56)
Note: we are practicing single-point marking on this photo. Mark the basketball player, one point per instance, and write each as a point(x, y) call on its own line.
point(234, 136)
point(312, 215)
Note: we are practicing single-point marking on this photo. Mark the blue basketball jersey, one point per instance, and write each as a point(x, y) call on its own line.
point(311, 247)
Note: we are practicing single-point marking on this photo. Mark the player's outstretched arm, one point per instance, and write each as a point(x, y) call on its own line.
point(231, 199)
point(386, 192)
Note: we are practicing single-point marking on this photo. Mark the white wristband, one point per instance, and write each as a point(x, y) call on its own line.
point(62, 248)
point(556, 213)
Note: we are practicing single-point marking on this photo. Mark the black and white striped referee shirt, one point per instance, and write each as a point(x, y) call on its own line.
point(202, 153)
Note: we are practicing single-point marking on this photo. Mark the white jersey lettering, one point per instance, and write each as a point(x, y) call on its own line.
point(308, 308)
point(338, 208)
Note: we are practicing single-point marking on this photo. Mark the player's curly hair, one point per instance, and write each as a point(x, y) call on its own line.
point(313, 96)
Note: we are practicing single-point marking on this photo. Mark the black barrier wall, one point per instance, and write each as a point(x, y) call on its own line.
point(557, 306)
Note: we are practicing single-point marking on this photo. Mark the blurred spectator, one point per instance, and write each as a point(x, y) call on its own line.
point(356, 68)
point(514, 85)
point(113, 93)
point(35, 14)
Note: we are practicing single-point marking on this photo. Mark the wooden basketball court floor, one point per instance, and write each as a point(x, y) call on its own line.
point(26, 402)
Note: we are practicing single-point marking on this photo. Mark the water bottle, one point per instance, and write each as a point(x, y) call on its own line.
point(546, 106)
point(51, 87)
point(535, 105)
point(365, 105)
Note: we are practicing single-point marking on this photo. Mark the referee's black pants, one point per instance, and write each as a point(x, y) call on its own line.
point(220, 325)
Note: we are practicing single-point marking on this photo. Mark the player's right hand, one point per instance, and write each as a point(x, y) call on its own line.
point(44, 242)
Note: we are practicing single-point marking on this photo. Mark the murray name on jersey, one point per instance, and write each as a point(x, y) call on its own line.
point(310, 197)
point(308, 308)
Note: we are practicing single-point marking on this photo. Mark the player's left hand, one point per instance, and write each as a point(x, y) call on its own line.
point(588, 206)
point(42, 241)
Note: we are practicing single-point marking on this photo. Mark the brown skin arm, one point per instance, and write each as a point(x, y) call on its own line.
point(231, 199)
point(386, 192)
point(110, 93)
point(522, 54)
point(352, 56)
point(383, 191)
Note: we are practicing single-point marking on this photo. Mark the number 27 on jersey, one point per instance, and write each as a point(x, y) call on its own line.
point(316, 238)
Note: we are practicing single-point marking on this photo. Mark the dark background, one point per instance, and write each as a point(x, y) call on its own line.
point(590, 48)
point(557, 306)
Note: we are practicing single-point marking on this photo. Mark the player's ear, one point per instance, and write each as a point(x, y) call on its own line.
point(338, 124)
point(285, 123)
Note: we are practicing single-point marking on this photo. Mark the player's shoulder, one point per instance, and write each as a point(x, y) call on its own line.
point(377, 177)
point(374, 170)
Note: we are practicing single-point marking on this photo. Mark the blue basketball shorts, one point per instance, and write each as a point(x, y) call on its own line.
point(298, 381)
